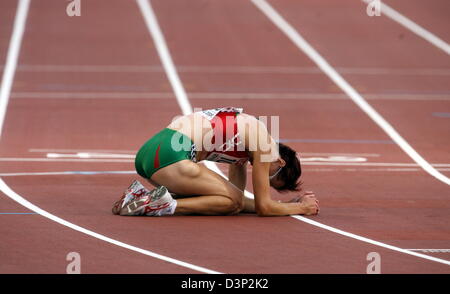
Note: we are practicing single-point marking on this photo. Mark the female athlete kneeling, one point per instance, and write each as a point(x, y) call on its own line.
point(170, 161)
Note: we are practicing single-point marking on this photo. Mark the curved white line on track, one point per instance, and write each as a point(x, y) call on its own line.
point(19, 199)
point(304, 46)
point(176, 84)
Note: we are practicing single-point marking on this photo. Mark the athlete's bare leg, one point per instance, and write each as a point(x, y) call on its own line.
point(210, 193)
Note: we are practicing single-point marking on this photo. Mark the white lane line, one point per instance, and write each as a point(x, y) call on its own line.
point(164, 54)
point(90, 155)
point(41, 150)
point(370, 241)
point(13, 53)
point(432, 250)
point(334, 159)
point(303, 45)
point(412, 26)
point(339, 154)
point(12, 57)
point(16, 197)
point(214, 167)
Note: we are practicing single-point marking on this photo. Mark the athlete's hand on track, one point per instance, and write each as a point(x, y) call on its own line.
point(310, 203)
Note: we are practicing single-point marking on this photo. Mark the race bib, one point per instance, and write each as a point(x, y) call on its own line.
point(209, 114)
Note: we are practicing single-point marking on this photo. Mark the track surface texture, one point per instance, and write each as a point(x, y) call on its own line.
point(95, 83)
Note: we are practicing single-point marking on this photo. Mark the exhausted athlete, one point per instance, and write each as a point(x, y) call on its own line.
point(170, 161)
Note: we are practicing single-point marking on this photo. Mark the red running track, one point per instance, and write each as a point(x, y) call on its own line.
point(95, 83)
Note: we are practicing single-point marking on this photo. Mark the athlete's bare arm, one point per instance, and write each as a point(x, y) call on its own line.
point(255, 135)
point(264, 204)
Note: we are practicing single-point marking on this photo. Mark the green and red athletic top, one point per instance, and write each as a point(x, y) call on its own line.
point(226, 144)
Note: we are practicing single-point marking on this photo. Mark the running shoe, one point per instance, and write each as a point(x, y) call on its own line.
point(136, 189)
point(157, 202)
